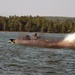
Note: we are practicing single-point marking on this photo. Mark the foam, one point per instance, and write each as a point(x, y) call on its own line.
point(70, 37)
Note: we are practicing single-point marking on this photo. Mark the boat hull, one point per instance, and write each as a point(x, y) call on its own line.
point(47, 43)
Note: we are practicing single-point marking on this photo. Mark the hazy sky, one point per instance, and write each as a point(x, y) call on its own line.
point(64, 8)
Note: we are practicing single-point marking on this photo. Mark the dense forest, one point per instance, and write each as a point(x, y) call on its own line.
point(37, 24)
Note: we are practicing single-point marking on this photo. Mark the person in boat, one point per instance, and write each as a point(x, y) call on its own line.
point(35, 37)
point(27, 37)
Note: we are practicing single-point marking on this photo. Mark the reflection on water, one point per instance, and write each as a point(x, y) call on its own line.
point(25, 60)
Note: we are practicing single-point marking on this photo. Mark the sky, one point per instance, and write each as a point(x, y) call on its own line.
point(63, 8)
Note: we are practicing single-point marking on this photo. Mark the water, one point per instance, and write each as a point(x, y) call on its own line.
point(70, 37)
point(27, 60)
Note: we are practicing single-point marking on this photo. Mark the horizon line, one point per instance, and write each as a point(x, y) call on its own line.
point(38, 15)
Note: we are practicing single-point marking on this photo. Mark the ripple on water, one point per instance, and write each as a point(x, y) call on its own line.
point(26, 60)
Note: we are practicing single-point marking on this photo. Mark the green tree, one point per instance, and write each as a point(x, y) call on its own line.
point(56, 26)
point(44, 26)
point(28, 26)
point(50, 27)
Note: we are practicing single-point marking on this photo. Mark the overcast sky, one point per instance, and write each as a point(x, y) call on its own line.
point(65, 8)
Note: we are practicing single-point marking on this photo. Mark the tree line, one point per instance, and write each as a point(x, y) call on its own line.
point(36, 24)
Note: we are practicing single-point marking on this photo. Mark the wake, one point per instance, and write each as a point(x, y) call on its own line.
point(70, 38)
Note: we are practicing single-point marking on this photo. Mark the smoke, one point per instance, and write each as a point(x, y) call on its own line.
point(70, 37)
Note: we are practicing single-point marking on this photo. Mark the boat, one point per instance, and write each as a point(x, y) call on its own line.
point(43, 42)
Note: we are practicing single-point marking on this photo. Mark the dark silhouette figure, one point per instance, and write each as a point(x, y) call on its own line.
point(27, 37)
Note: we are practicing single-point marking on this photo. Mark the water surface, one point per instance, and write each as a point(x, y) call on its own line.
point(28, 60)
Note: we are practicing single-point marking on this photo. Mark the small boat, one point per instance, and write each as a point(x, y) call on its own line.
point(43, 42)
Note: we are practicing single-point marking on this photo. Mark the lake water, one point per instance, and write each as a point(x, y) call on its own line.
point(26, 60)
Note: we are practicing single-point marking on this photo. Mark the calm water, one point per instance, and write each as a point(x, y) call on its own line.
point(25, 60)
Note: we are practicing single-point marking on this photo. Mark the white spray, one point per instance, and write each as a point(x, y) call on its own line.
point(70, 37)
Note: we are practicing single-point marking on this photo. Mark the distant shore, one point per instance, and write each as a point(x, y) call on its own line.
point(37, 24)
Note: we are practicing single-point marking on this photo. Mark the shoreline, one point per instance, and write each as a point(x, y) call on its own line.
point(36, 32)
